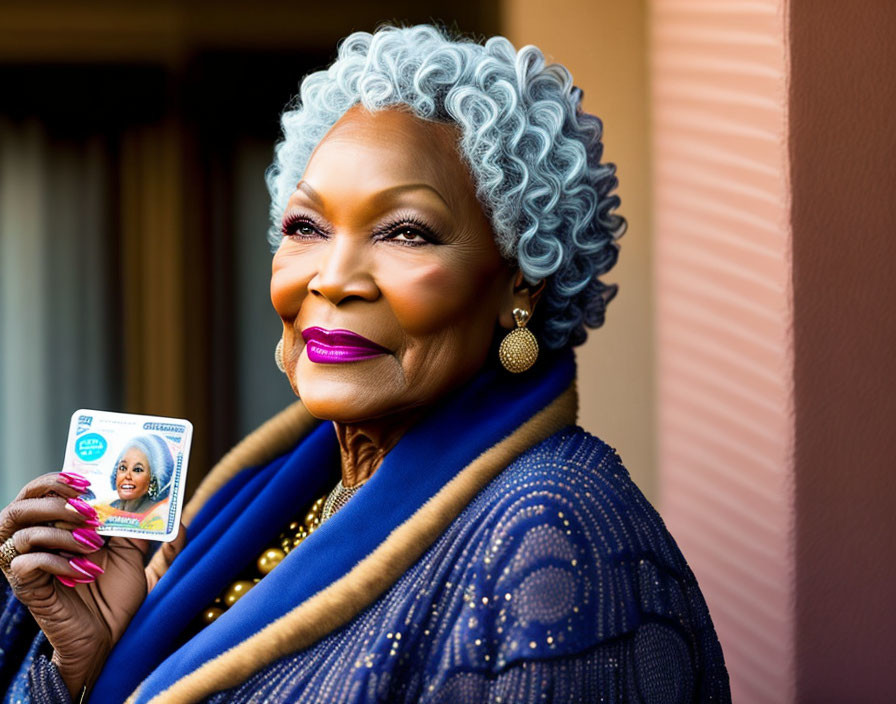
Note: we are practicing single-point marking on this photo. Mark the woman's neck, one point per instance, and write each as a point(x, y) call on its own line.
point(133, 505)
point(364, 445)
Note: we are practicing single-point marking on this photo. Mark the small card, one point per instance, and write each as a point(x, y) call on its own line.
point(137, 468)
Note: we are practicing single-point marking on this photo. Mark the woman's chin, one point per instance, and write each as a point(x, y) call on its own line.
point(353, 392)
point(129, 497)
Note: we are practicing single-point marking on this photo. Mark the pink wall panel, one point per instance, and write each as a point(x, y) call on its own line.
point(723, 310)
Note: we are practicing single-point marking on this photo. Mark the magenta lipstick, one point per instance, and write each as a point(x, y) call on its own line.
point(339, 346)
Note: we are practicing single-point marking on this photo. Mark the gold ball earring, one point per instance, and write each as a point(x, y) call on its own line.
point(278, 356)
point(519, 348)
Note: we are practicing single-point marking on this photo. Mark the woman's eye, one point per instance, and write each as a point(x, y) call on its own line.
point(302, 229)
point(408, 235)
point(299, 228)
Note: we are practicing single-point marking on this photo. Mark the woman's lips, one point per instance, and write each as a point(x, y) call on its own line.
point(338, 346)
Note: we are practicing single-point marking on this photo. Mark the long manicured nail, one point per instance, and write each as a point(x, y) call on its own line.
point(87, 538)
point(80, 569)
point(65, 580)
point(75, 480)
point(92, 523)
point(82, 507)
point(82, 564)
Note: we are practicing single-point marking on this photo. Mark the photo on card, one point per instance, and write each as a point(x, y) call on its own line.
point(136, 466)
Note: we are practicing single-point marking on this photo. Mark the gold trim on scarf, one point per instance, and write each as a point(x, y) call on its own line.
point(341, 601)
point(274, 437)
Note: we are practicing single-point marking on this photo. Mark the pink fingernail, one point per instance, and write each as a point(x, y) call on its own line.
point(87, 538)
point(92, 523)
point(82, 564)
point(81, 570)
point(84, 580)
point(82, 507)
point(75, 480)
point(65, 580)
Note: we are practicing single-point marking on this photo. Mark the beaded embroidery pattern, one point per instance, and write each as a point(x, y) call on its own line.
point(559, 582)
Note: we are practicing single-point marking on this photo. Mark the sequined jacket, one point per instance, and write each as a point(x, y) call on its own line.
point(499, 554)
point(558, 583)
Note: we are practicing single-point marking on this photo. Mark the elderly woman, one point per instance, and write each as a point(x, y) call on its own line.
point(447, 534)
point(142, 474)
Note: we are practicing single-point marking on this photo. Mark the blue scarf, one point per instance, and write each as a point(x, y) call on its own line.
point(241, 519)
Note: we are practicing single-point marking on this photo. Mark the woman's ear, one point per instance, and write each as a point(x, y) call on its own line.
point(521, 295)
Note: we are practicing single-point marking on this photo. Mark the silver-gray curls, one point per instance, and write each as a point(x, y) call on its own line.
point(534, 154)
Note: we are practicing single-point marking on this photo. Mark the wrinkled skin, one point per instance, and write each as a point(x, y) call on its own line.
point(384, 236)
point(83, 622)
point(387, 239)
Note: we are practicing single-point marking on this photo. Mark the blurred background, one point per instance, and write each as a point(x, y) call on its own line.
point(745, 373)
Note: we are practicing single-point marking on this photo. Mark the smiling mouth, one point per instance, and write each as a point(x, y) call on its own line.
point(339, 346)
point(128, 487)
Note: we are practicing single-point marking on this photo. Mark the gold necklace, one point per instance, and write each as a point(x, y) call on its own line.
point(338, 498)
point(272, 556)
point(287, 541)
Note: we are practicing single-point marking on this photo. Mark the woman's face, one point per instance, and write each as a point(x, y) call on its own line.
point(384, 239)
point(132, 475)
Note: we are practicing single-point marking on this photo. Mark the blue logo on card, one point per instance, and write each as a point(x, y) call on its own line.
point(84, 424)
point(91, 447)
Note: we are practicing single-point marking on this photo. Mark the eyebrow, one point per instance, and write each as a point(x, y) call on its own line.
point(306, 188)
point(309, 191)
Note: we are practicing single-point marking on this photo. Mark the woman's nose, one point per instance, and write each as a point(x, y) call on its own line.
point(343, 273)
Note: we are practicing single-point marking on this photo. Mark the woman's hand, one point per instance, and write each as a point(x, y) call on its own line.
point(81, 592)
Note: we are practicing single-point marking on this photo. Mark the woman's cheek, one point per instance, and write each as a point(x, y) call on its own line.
point(288, 288)
point(425, 298)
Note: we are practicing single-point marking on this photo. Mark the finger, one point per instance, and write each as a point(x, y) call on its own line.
point(47, 509)
point(90, 567)
point(162, 560)
point(88, 537)
point(92, 523)
point(170, 550)
point(65, 484)
point(125, 544)
point(46, 538)
point(29, 568)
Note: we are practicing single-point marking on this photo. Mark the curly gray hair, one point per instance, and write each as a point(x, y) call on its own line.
point(534, 154)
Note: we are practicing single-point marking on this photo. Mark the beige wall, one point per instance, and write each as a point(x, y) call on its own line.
point(603, 44)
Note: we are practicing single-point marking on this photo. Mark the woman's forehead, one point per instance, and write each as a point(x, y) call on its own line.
point(388, 147)
point(134, 453)
point(394, 124)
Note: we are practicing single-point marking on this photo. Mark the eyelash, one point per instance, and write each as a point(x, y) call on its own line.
point(292, 222)
point(386, 232)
